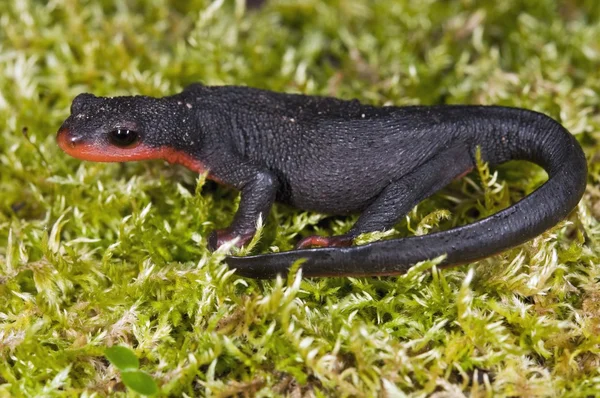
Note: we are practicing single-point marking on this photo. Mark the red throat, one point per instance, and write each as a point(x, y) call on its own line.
point(109, 153)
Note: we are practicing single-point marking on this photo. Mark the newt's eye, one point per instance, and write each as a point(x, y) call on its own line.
point(123, 138)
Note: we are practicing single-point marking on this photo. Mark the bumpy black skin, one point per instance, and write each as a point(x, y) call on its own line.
point(339, 157)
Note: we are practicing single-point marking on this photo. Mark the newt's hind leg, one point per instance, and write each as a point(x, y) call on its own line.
point(398, 198)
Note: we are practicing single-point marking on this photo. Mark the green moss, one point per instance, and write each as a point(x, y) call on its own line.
point(94, 255)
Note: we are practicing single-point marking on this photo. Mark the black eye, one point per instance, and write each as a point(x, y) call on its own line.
point(123, 138)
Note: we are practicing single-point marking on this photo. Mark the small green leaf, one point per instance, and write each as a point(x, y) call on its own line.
point(139, 381)
point(122, 358)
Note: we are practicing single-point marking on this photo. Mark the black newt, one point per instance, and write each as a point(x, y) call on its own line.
point(338, 157)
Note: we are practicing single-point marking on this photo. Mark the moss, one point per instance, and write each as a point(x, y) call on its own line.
point(93, 255)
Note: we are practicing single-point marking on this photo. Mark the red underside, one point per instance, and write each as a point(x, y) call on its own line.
point(103, 153)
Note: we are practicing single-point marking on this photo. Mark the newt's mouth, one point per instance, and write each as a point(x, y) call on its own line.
point(98, 150)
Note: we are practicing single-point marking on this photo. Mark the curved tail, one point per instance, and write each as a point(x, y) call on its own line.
point(517, 134)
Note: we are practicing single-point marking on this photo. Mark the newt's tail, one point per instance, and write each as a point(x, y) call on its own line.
point(517, 134)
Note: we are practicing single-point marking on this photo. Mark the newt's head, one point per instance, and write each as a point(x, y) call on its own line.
point(121, 129)
point(115, 129)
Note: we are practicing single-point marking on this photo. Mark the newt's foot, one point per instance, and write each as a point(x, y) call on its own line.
point(325, 241)
point(221, 236)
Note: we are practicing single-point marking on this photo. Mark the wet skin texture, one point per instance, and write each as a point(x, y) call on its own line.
point(337, 157)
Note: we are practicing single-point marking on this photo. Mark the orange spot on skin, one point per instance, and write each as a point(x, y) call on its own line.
point(464, 173)
point(324, 241)
point(110, 153)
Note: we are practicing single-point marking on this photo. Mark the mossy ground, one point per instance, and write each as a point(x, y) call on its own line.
point(93, 255)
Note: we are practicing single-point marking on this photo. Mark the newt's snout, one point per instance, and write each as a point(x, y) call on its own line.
point(76, 145)
point(66, 140)
point(72, 144)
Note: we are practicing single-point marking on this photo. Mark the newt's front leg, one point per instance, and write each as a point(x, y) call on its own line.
point(258, 189)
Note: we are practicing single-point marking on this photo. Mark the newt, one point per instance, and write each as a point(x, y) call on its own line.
point(338, 157)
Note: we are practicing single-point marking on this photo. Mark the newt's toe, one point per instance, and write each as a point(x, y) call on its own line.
point(221, 236)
